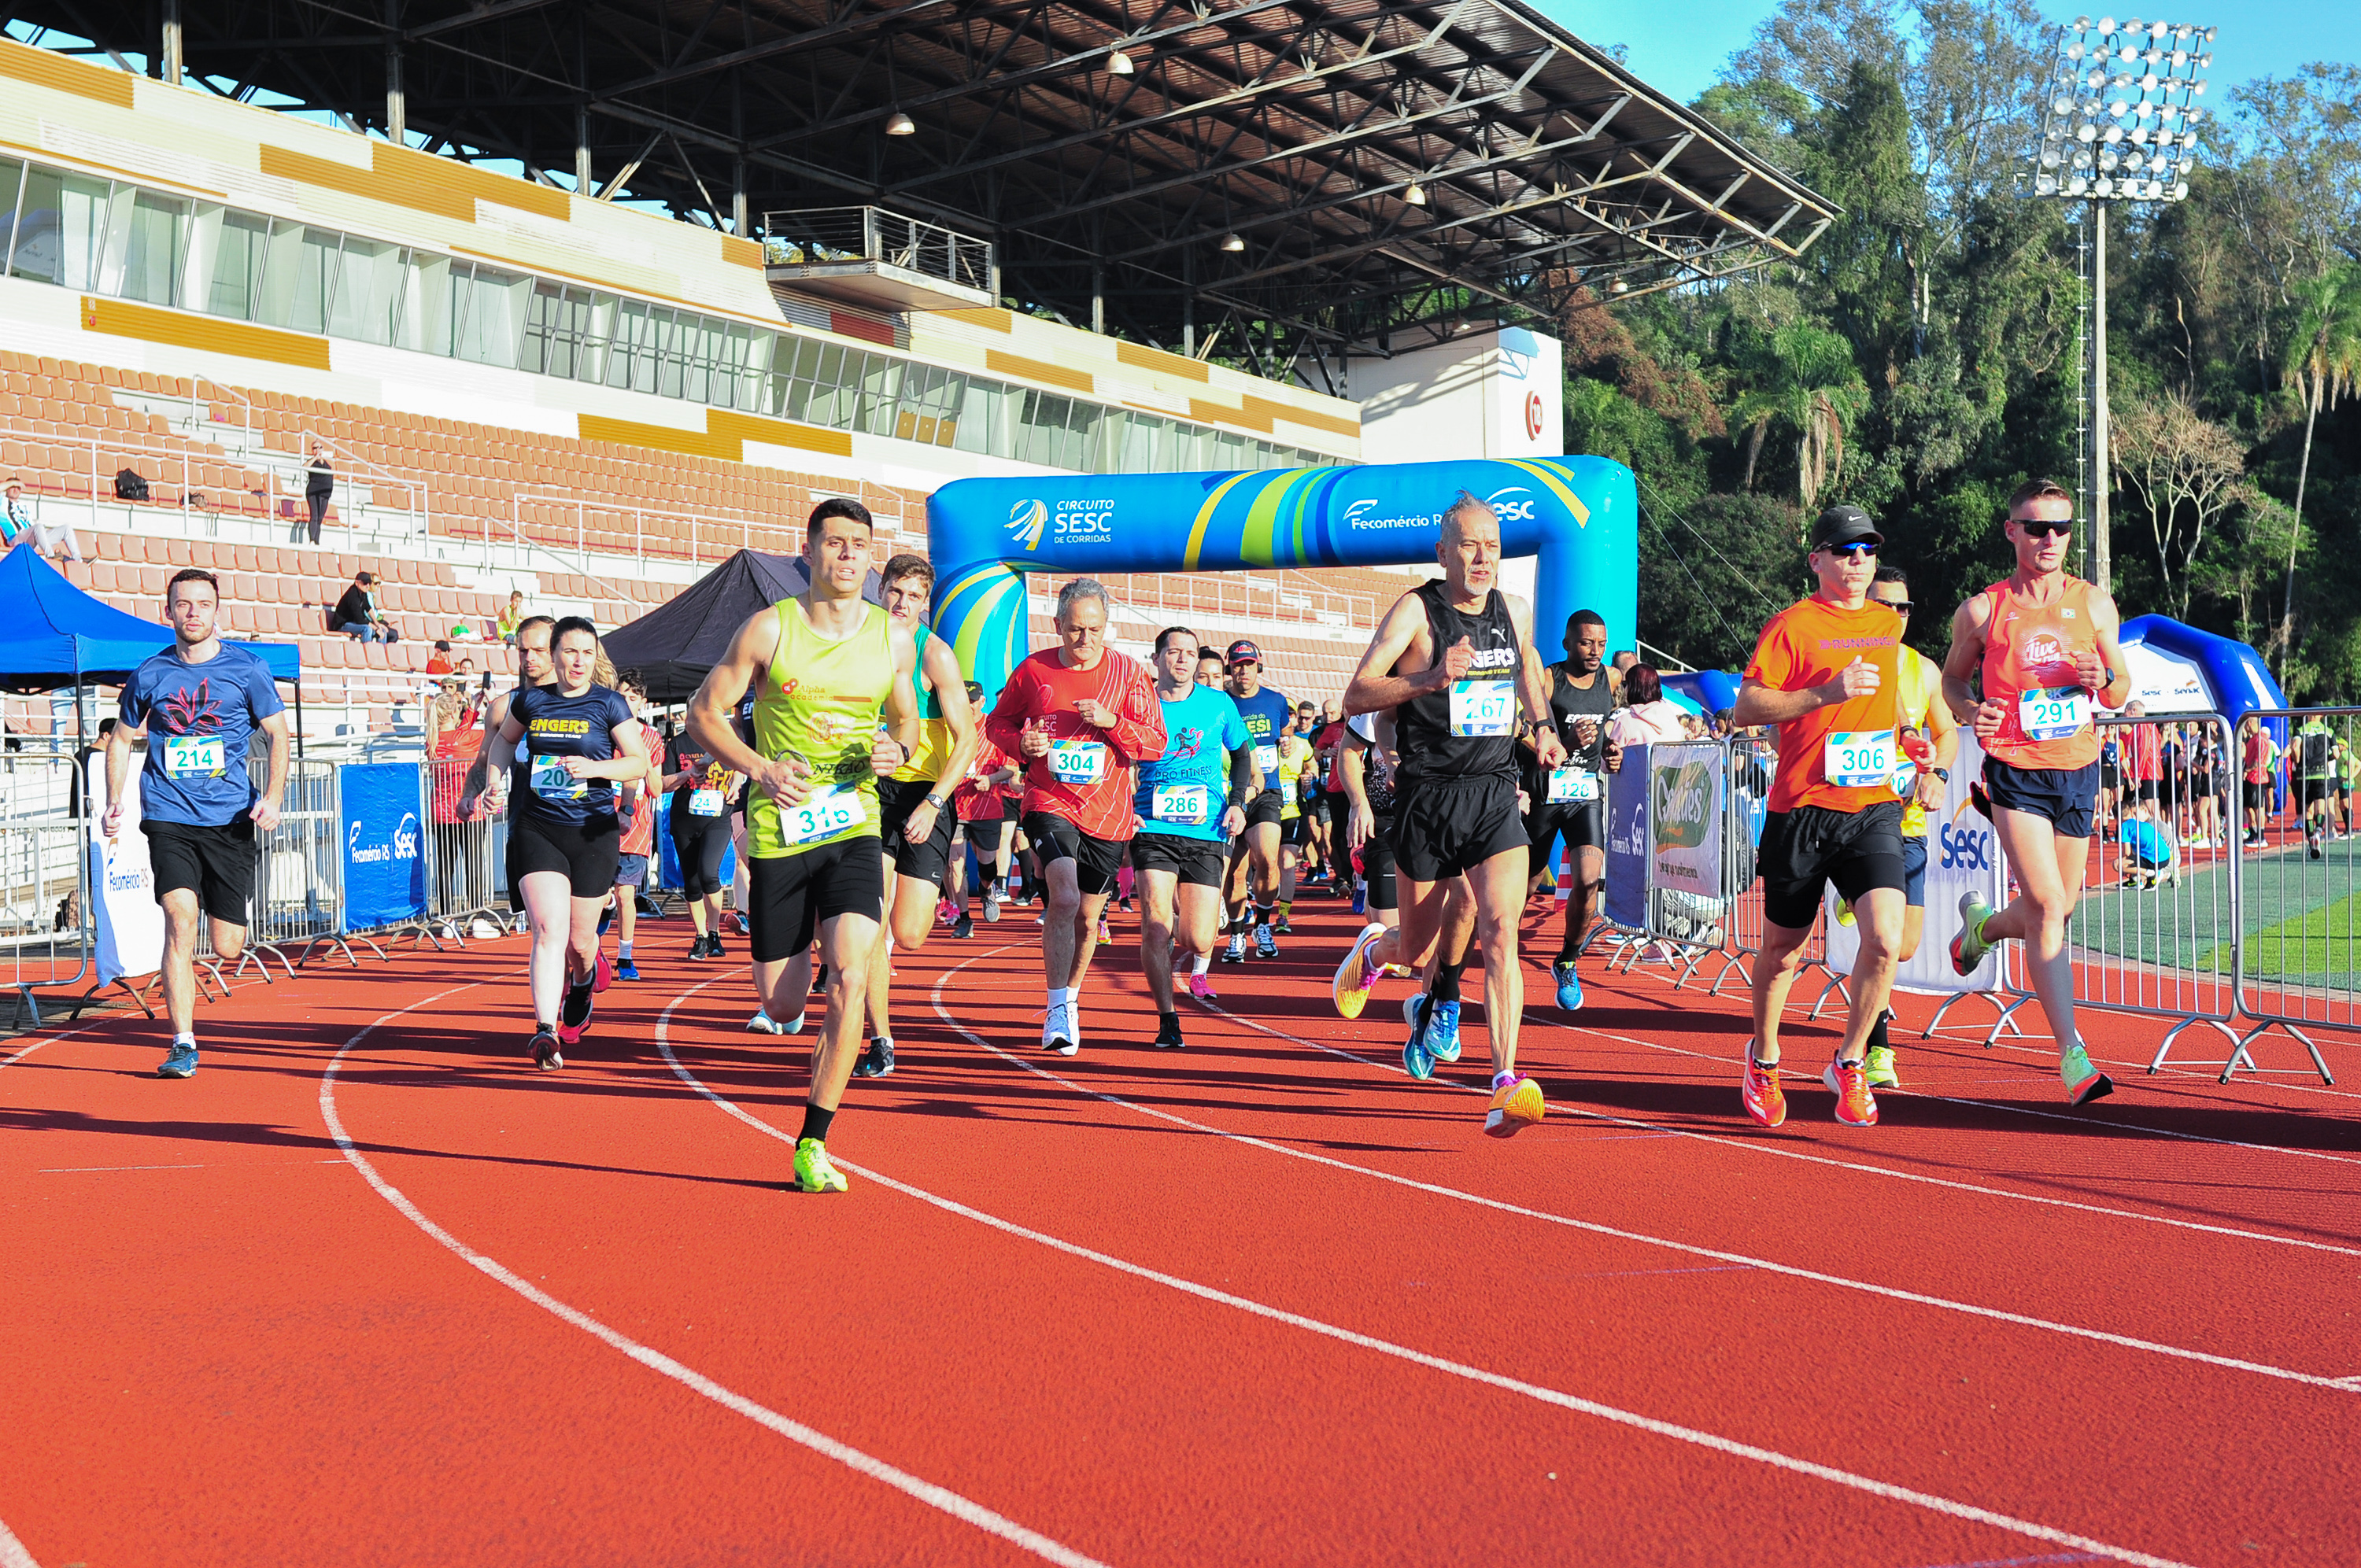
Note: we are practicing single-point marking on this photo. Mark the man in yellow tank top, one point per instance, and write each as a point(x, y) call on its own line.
point(2046, 647)
point(825, 666)
point(1917, 708)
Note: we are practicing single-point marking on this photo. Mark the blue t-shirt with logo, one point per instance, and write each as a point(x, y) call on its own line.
point(1184, 792)
point(1266, 716)
point(557, 726)
point(200, 720)
point(2147, 840)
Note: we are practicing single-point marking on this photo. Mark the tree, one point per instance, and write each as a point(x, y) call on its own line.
point(2186, 471)
point(2323, 360)
point(1808, 382)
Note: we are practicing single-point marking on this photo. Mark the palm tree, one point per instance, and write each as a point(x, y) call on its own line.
point(2323, 360)
point(1808, 381)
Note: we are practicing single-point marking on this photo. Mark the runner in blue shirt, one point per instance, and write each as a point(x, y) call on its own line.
point(1252, 883)
point(1188, 801)
point(199, 704)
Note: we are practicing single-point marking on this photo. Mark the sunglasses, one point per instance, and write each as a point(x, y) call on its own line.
point(1899, 607)
point(1852, 551)
point(2045, 530)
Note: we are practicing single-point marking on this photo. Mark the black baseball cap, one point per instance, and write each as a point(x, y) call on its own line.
point(1244, 653)
point(1845, 523)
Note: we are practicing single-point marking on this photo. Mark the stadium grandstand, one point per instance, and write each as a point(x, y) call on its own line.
point(577, 302)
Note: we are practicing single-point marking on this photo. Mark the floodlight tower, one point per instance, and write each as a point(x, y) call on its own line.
point(2119, 118)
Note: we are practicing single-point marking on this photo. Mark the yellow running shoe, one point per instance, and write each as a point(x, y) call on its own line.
point(1881, 1069)
point(1517, 1103)
point(1844, 911)
point(814, 1173)
point(1350, 989)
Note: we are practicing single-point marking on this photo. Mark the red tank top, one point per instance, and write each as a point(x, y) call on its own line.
point(2030, 652)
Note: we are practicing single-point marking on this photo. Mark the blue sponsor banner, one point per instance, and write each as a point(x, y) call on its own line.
point(1629, 844)
point(385, 865)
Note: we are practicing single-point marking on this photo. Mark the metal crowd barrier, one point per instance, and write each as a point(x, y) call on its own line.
point(463, 880)
point(48, 931)
point(2299, 960)
point(1689, 785)
point(299, 875)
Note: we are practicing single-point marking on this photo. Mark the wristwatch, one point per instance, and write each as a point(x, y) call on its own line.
point(934, 800)
point(1943, 773)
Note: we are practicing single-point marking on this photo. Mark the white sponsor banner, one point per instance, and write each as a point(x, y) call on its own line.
point(130, 921)
point(1962, 856)
point(1685, 818)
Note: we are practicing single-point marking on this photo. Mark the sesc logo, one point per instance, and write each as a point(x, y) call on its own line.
point(405, 838)
point(1083, 523)
point(1964, 849)
point(403, 847)
point(1509, 509)
point(1026, 520)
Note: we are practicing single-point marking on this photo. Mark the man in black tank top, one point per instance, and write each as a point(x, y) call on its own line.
point(1453, 661)
point(1570, 800)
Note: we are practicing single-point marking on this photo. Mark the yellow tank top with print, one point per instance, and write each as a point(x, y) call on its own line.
point(1919, 682)
point(820, 700)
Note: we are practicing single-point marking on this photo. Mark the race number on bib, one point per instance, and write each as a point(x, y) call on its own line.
point(1077, 762)
point(1185, 805)
point(821, 816)
point(1858, 758)
point(552, 782)
point(1483, 708)
point(2053, 713)
point(194, 757)
point(1572, 786)
point(1266, 759)
point(704, 802)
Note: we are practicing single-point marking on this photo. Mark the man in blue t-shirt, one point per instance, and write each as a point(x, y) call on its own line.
point(1188, 801)
point(1254, 855)
point(199, 705)
point(2149, 854)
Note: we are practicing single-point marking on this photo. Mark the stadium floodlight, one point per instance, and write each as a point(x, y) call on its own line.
point(1415, 196)
point(900, 125)
point(1232, 242)
point(2118, 118)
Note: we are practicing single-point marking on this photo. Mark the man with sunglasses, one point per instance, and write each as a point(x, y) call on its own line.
point(1827, 672)
point(2046, 646)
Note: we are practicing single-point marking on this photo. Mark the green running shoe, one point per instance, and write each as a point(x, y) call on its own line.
point(813, 1171)
point(1881, 1068)
point(1969, 947)
point(2083, 1082)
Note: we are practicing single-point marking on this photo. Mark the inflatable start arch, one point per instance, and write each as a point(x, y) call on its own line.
point(1579, 515)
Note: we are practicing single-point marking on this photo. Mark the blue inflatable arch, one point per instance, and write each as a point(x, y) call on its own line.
point(1579, 515)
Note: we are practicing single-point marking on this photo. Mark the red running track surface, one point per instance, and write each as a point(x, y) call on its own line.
point(1264, 1300)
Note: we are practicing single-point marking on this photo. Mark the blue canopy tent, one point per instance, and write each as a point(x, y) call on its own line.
point(53, 635)
point(1708, 692)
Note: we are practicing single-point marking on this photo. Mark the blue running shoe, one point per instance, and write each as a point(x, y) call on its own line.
point(1569, 984)
point(181, 1061)
point(626, 970)
point(1417, 1060)
point(1443, 1031)
point(1360, 899)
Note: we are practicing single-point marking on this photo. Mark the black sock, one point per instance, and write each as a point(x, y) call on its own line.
point(815, 1124)
point(1446, 981)
point(1262, 914)
point(1877, 1036)
point(1169, 1020)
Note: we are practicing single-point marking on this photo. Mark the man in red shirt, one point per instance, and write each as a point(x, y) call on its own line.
point(1080, 718)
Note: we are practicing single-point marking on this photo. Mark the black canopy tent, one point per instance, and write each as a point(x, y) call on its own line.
point(674, 646)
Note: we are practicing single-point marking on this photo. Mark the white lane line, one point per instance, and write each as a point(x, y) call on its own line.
point(1894, 1293)
point(11, 1059)
point(1679, 1433)
point(1757, 1146)
point(12, 1550)
point(965, 1510)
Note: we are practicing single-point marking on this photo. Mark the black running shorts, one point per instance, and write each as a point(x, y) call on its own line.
point(217, 863)
point(2065, 797)
point(586, 854)
point(1806, 848)
point(1197, 862)
point(1264, 808)
point(1445, 827)
point(1582, 824)
point(794, 896)
point(927, 861)
point(1378, 864)
point(1096, 859)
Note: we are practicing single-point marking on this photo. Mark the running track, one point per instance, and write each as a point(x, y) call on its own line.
point(370, 1290)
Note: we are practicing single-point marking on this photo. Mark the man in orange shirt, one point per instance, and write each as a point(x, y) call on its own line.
point(2046, 646)
point(1827, 672)
point(1082, 718)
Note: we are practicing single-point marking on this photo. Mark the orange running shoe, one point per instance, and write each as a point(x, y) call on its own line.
point(1856, 1107)
point(1761, 1091)
point(1517, 1103)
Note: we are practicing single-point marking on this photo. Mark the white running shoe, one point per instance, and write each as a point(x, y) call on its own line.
point(1059, 1036)
point(762, 1023)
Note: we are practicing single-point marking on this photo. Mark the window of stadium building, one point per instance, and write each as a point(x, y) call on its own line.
point(103, 237)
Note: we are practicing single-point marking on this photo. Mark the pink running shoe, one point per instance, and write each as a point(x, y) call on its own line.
point(1201, 986)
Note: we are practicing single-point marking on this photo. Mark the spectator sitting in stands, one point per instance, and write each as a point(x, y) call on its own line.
point(512, 616)
point(19, 521)
point(438, 663)
point(356, 615)
point(466, 666)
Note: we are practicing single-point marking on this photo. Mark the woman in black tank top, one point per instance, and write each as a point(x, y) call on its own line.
point(1469, 729)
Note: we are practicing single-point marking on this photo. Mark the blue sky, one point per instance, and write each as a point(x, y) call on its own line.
point(1678, 48)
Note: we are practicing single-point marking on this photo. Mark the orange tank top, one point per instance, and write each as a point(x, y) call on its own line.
point(2029, 651)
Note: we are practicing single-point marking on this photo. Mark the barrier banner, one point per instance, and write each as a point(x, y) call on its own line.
point(1684, 820)
point(385, 874)
point(1627, 842)
point(130, 921)
point(1962, 856)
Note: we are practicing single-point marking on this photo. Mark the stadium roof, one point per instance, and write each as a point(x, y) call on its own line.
point(1308, 129)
